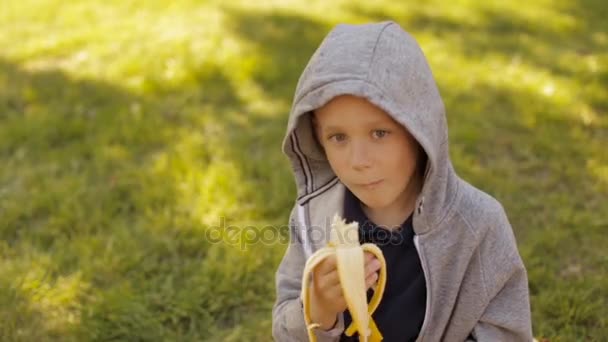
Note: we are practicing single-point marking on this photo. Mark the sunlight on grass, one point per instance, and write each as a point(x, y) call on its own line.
point(59, 301)
point(600, 171)
point(517, 76)
point(55, 302)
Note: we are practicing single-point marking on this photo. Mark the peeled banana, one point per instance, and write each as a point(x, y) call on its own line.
point(344, 244)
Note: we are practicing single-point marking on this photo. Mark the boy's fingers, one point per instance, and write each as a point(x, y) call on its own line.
point(372, 266)
point(370, 271)
point(335, 292)
point(329, 279)
point(327, 266)
point(327, 275)
point(371, 280)
point(369, 258)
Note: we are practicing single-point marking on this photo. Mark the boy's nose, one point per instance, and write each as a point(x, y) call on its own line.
point(360, 156)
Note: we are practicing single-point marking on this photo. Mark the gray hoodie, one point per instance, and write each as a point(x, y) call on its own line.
point(477, 286)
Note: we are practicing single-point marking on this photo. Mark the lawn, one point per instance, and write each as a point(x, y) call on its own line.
point(140, 152)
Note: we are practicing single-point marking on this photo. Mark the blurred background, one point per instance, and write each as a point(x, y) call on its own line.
point(133, 134)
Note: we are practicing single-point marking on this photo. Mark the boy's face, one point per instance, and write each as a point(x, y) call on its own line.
point(372, 154)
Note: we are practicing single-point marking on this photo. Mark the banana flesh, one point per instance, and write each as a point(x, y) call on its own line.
point(344, 244)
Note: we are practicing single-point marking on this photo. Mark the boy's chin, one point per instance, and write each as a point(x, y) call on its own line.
point(373, 203)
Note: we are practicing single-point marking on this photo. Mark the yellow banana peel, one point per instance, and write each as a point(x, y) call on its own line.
point(350, 258)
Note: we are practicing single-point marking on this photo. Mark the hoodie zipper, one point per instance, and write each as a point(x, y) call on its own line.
point(426, 284)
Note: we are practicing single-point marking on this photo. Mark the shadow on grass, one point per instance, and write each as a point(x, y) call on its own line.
point(82, 192)
point(564, 49)
point(510, 33)
point(77, 196)
point(286, 40)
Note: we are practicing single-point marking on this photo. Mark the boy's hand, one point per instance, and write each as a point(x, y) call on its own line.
point(327, 300)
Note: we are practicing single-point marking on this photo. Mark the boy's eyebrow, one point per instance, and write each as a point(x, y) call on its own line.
point(331, 128)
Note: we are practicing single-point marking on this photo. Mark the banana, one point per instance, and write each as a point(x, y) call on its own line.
point(344, 244)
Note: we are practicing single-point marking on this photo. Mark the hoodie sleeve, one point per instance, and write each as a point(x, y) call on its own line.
point(288, 314)
point(507, 314)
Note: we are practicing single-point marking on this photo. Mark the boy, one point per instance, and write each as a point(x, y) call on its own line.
point(367, 139)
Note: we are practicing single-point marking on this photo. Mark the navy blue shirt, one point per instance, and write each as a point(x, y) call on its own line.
point(401, 311)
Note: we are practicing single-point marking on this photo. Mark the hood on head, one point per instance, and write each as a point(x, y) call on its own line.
point(385, 65)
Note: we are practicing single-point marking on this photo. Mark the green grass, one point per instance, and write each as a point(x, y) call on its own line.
point(128, 130)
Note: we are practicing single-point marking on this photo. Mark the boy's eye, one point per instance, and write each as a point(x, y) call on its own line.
point(337, 137)
point(380, 133)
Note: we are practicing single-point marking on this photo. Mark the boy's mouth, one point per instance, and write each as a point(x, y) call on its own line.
point(371, 184)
